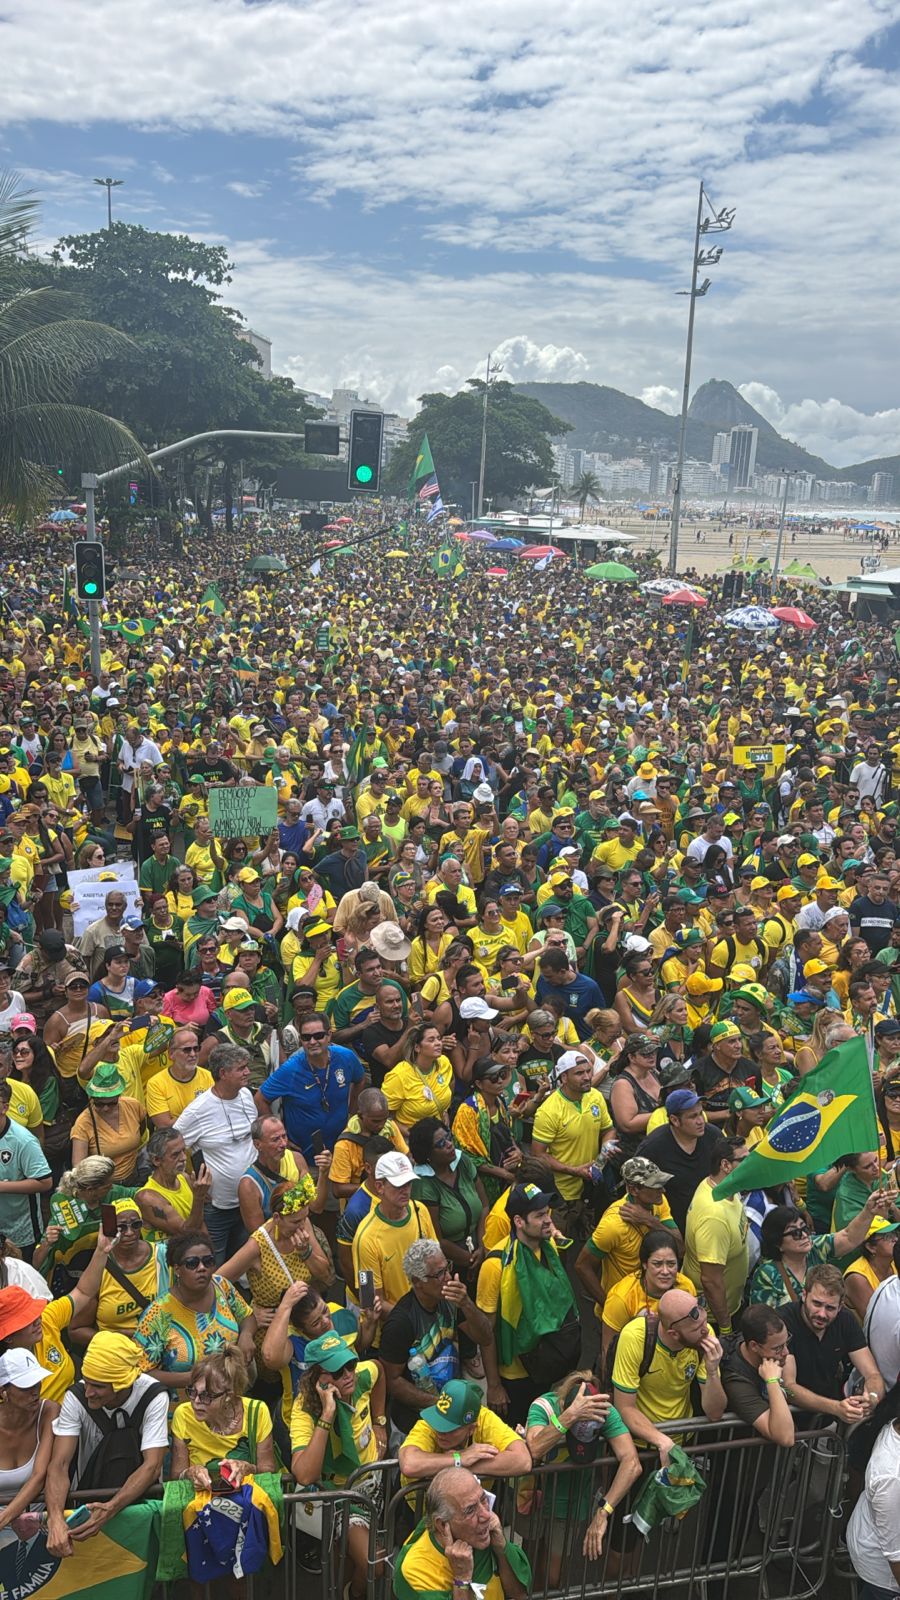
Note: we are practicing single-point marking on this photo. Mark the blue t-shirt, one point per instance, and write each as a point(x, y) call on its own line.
point(577, 997)
point(292, 835)
point(21, 1157)
point(312, 1101)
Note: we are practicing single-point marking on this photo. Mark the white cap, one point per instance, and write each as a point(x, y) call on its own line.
point(568, 1060)
point(477, 1009)
point(395, 1168)
point(22, 1369)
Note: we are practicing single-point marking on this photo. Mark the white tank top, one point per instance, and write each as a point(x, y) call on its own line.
point(12, 1479)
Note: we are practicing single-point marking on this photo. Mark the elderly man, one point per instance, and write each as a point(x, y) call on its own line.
point(420, 1339)
point(274, 1165)
point(107, 930)
point(460, 1543)
point(218, 1122)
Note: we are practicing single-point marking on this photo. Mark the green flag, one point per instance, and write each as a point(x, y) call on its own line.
point(446, 562)
point(423, 466)
point(211, 600)
point(831, 1114)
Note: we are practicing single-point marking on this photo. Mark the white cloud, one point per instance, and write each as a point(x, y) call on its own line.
point(663, 398)
point(247, 191)
point(828, 428)
point(523, 361)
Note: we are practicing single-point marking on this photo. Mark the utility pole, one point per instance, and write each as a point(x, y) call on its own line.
point(714, 222)
point(788, 475)
point(109, 184)
point(489, 372)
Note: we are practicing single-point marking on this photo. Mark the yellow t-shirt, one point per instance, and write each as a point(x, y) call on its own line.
point(303, 1425)
point(572, 1130)
point(615, 854)
point(24, 1105)
point(487, 1299)
point(50, 1350)
point(181, 1199)
point(204, 1445)
point(118, 1311)
point(628, 1298)
point(347, 1161)
point(412, 1095)
point(199, 856)
point(328, 982)
point(497, 1226)
point(165, 1093)
point(618, 1242)
point(664, 1390)
point(716, 1231)
point(379, 1246)
point(489, 1429)
point(471, 847)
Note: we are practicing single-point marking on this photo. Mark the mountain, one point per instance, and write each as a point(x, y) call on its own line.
point(605, 419)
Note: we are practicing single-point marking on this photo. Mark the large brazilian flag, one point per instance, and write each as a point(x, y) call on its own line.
point(118, 1563)
point(831, 1114)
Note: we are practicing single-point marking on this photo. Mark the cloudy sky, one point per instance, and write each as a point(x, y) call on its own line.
point(404, 187)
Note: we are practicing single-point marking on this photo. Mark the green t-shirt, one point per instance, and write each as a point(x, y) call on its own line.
point(539, 1414)
point(459, 1207)
point(154, 875)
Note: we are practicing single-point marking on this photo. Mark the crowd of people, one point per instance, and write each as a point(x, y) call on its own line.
point(393, 1133)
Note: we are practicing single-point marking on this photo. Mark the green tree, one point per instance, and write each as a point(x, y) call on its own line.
point(45, 353)
point(587, 488)
point(518, 455)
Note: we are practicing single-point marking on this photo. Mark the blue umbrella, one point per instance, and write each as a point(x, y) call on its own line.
point(63, 516)
point(505, 544)
point(756, 618)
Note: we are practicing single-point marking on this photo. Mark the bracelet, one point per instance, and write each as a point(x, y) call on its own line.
point(457, 1459)
point(325, 1426)
point(461, 1583)
point(558, 1425)
point(607, 1508)
point(773, 1380)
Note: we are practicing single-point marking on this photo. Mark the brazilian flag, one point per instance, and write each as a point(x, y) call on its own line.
point(446, 562)
point(423, 466)
point(831, 1114)
point(118, 1563)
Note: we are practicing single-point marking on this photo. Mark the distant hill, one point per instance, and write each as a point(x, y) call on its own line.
point(605, 419)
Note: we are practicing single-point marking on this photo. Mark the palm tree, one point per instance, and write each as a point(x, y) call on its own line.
point(587, 488)
point(44, 350)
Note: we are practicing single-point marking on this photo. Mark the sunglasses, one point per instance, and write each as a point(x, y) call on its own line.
point(695, 1313)
point(188, 1049)
point(130, 1227)
point(798, 1231)
point(193, 1263)
point(194, 1392)
point(312, 1038)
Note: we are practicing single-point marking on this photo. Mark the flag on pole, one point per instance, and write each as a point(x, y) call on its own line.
point(446, 562)
point(211, 600)
point(831, 1114)
point(436, 509)
point(423, 467)
point(541, 566)
point(316, 567)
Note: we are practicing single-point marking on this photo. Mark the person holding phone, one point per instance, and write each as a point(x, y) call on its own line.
point(285, 1249)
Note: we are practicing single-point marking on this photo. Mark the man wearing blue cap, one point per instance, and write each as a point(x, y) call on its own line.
point(682, 1148)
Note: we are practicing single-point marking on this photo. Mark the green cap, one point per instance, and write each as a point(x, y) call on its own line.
point(457, 1405)
point(107, 1082)
point(349, 833)
point(329, 1351)
point(746, 1099)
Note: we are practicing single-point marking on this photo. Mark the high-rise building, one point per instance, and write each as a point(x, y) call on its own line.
point(262, 346)
point(719, 449)
point(881, 491)
point(742, 442)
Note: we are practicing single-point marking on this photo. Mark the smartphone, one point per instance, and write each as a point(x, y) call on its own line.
point(366, 1290)
point(76, 1518)
point(109, 1221)
point(521, 1099)
point(317, 1142)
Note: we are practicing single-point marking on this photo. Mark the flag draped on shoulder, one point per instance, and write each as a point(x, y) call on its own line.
point(830, 1114)
point(535, 1298)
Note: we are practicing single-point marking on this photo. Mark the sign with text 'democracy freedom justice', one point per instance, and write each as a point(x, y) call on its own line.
point(248, 811)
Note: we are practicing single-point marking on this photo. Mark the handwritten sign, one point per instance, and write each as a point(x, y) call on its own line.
point(91, 885)
point(249, 811)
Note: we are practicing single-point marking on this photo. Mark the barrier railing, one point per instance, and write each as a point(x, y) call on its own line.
point(764, 1527)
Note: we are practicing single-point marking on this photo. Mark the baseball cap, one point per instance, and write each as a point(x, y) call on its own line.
point(804, 997)
point(508, 888)
point(812, 968)
point(237, 1000)
point(525, 1197)
point(395, 1169)
point(24, 1023)
point(760, 883)
point(22, 1369)
point(745, 1099)
point(457, 1406)
point(807, 860)
point(132, 923)
point(234, 925)
point(881, 1225)
point(640, 1169)
point(330, 1352)
point(476, 1009)
point(787, 892)
point(723, 1030)
point(887, 1029)
point(681, 1100)
point(754, 992)
point(828, 883)
point(688, 936)
point(143, 987)
point(568, 1060)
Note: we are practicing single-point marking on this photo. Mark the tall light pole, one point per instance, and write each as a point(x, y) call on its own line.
point(789, 473)
point(489, 373)
point(711, 222)
point(109, 184)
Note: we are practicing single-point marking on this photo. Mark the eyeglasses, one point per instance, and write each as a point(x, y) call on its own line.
point(442, 1272)
point(188, 1049)
point(798, 1231)
point(194, 1392)
point(313, 1038)
point(193, 1263)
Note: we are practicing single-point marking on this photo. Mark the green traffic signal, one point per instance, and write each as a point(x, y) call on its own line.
point(364, 474)
point(90, 588)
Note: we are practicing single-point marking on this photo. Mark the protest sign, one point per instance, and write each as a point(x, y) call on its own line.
point(248, 811)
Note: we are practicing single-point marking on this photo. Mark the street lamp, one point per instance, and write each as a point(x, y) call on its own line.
point(109, 184)
point(490, 372)
point(788, 473)
point(708, 221)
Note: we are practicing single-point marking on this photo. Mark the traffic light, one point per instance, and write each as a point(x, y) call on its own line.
point(90, 570)
point(364, 472)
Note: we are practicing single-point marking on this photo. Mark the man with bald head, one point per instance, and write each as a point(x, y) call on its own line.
point(459, 1548)
point(684, 1351)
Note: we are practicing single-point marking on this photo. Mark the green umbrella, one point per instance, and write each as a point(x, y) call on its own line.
point(266, 564)
point(611, 572)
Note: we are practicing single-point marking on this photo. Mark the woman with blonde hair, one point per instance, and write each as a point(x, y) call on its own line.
point(828, 1029)
point(218, 1424)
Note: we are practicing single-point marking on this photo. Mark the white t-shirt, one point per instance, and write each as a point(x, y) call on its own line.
point(867, 779)
point(881, 1327)
point(25, 1276)
point(14, 1008)
point(221, 1129)
point(698, 847)
point(74, 1422)
point(873, 1533)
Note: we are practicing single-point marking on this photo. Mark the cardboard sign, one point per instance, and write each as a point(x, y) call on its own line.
point(249, 811)
point(769, 758)
point(91, 885)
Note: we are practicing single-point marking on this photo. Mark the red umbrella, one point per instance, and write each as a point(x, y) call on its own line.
point(346, 522)
point(536, 552)
point(332, 527)
point(497, 572)
point(793, 615)
point(684, 597)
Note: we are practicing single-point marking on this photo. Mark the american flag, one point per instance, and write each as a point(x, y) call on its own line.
point(429, 489)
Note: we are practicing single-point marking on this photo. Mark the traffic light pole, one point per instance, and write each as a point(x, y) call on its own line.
point(92, 481)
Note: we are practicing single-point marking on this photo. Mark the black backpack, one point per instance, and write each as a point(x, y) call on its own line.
point(651, 1326)
point(119, 1452)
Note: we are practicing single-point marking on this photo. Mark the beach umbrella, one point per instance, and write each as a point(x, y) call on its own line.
point(62, 516)
point(793, 615)
point(454, 522)
point(483, 535)
point(497, 572)
point(505, 544)
point(266, 564)
point(397, 555)
point(661, 586)
point(345, 522)
point(684, 597)
point(538, 552)
point(611, 572)
point(332, 527)
point(754, 618)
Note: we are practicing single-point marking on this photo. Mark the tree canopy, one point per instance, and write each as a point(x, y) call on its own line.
point(518, 453)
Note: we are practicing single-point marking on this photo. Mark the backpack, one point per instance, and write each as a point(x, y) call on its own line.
point(119, 1452)
point(651, 1326)
point(730, 943)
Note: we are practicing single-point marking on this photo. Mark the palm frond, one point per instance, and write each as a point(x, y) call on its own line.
point(35, 437)
point(46, 361)
point(18, 210)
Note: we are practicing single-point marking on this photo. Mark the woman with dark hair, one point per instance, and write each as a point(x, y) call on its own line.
point(715, 867)
point(303, 1314)
point(767, 1053)
point(200, 1313)
point(635, 1089)
point(447, 1181)
point(660, 1257)
point(636, 998)
point(33, 1064)
point(430, 945)
point(788, 1248)
point(114, 987)
point(872, 1266)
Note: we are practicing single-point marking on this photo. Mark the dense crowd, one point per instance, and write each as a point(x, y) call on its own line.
point(393, 1131)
